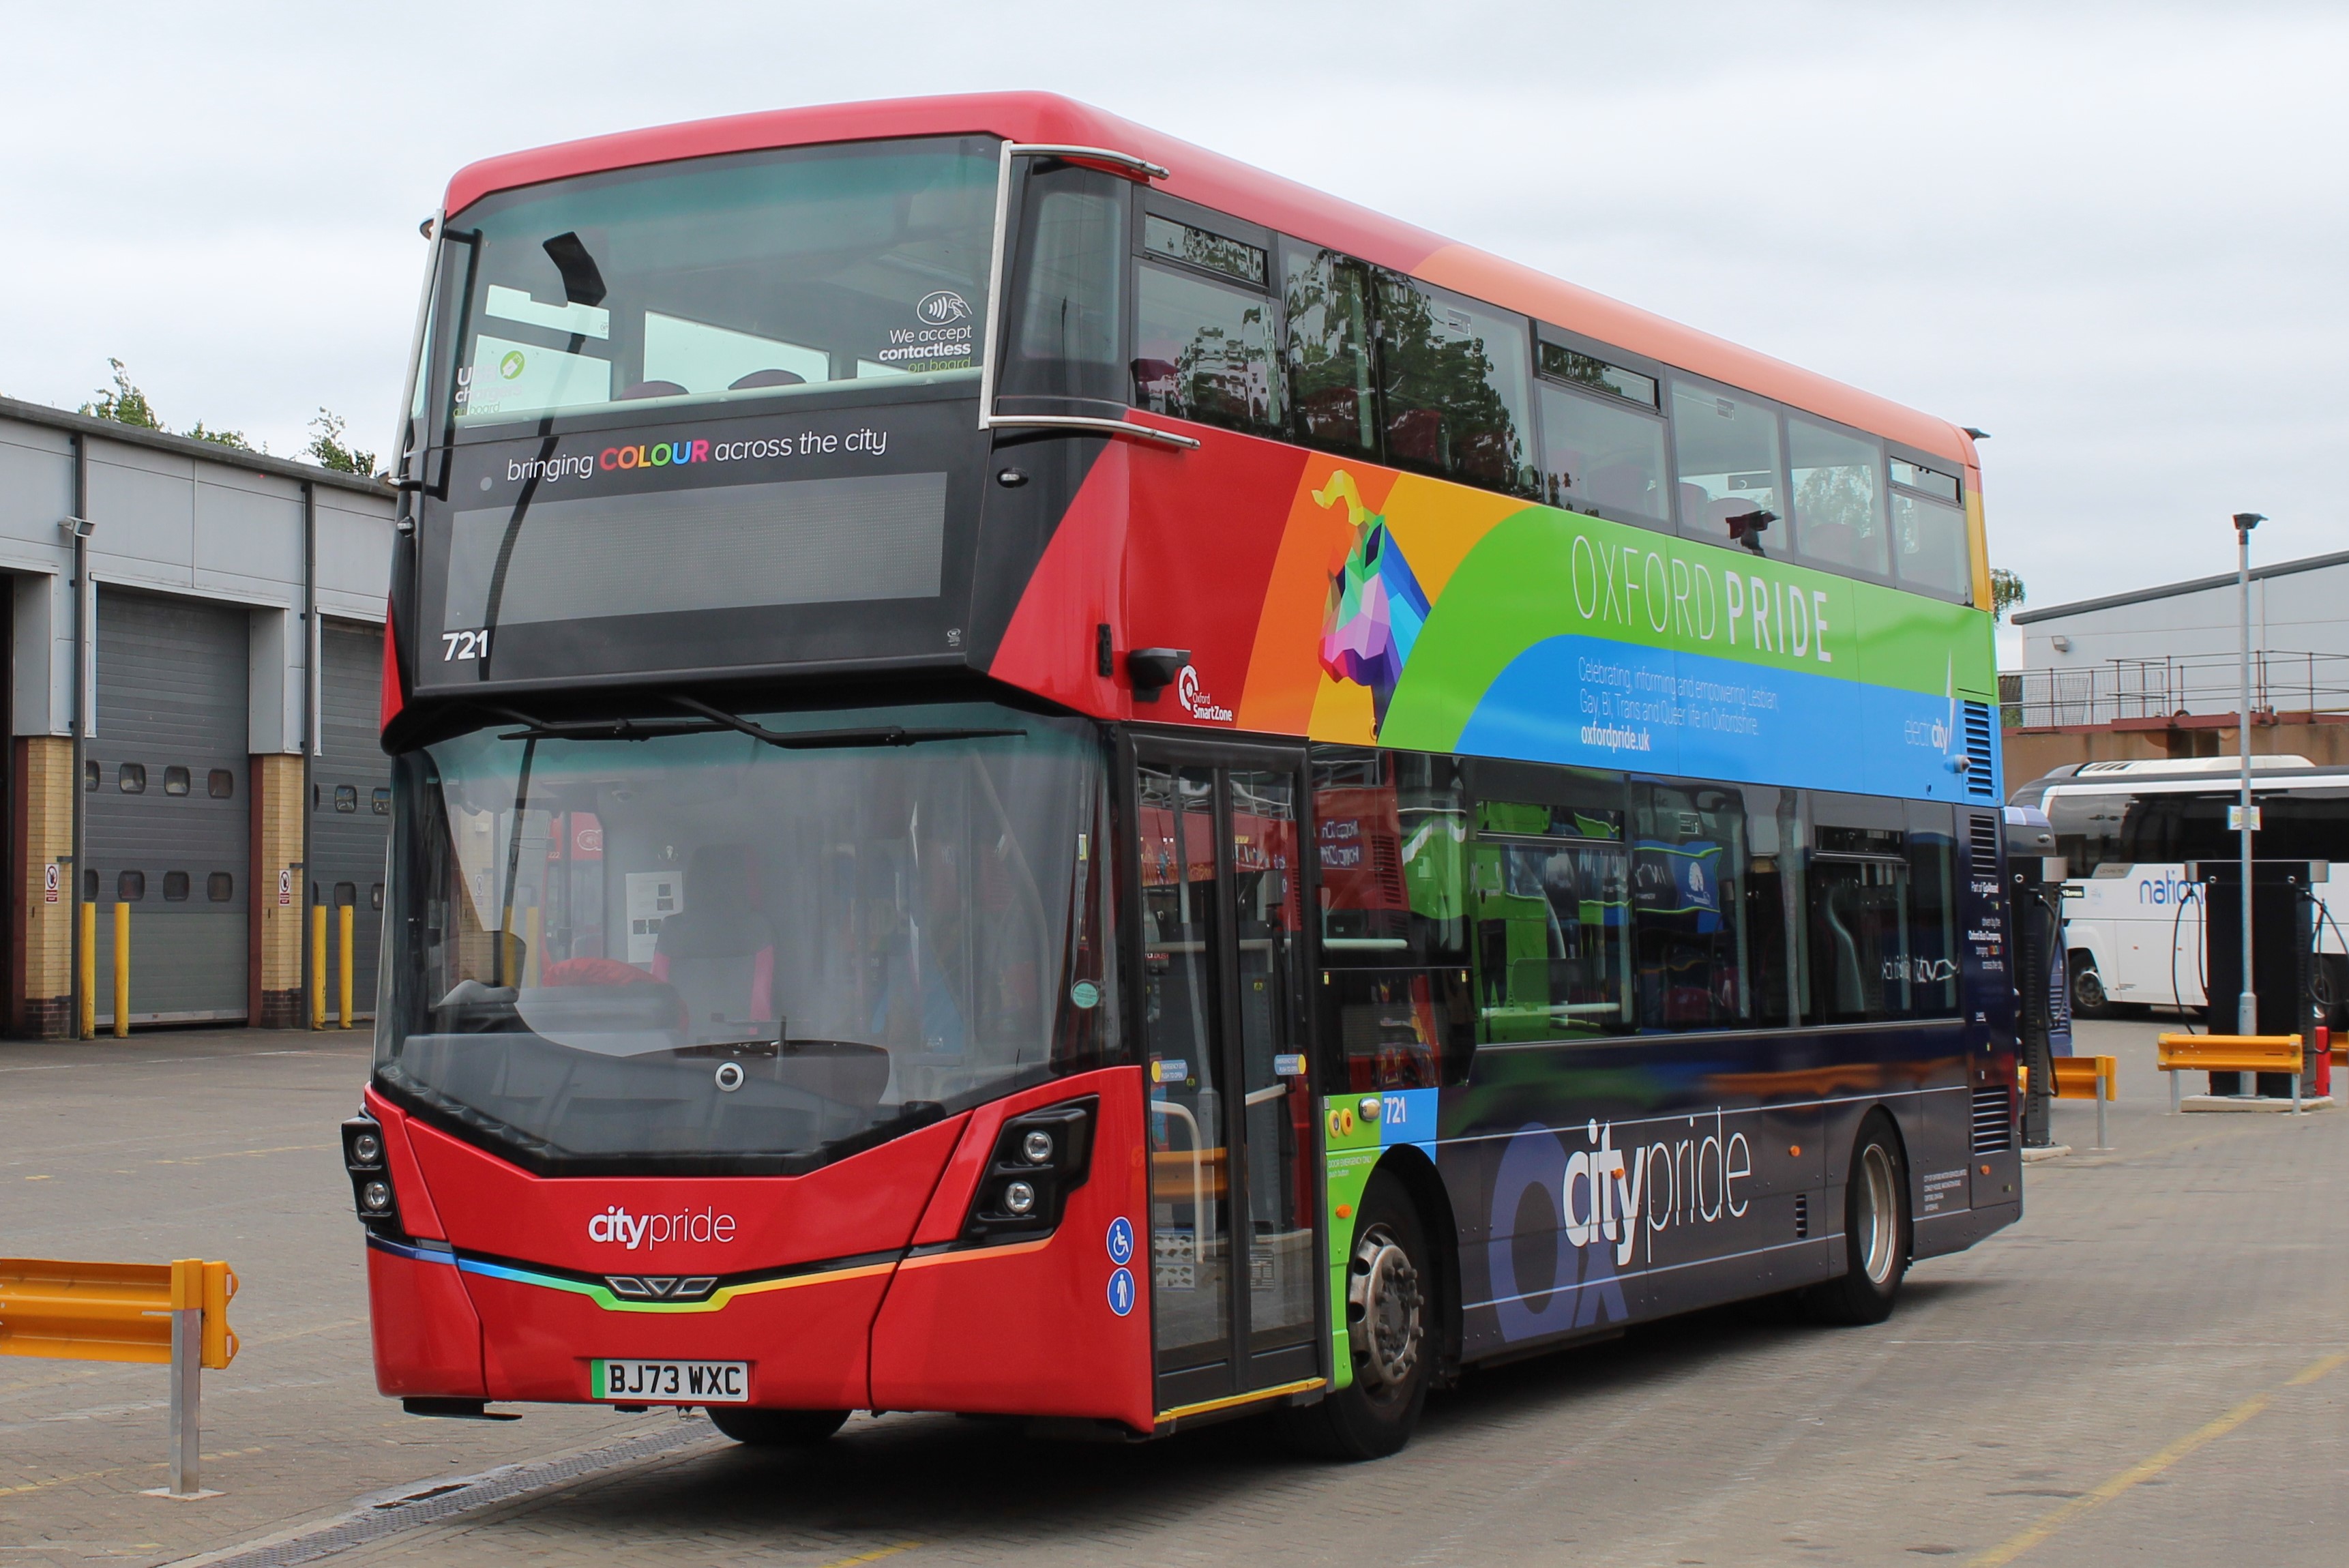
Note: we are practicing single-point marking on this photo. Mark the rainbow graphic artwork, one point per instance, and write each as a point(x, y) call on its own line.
point(1376, 607)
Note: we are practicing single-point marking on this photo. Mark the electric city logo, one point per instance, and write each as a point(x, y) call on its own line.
point(649, 1230)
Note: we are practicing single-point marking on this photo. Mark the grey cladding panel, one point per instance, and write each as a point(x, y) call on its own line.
point(347, 846)
point(171, 694)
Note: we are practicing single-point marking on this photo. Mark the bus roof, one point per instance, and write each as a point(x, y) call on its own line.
point(1227, 185)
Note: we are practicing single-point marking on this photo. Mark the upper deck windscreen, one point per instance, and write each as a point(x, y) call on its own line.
point(742, 278)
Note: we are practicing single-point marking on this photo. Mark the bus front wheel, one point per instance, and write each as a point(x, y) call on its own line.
point(1390, 1319)
point(776, 1428)
point(1875, 1230)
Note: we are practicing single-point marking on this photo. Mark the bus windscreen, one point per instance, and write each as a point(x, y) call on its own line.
point(704, 951)
point(742, 279)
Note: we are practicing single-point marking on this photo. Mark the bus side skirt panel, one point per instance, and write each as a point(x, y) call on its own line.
point(1028, 1328)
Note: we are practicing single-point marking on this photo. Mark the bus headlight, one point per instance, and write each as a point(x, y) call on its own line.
point(376, 1197)
point(1040, 1158)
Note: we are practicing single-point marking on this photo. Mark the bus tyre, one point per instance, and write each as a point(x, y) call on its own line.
point(2088, 998)
point(1875, 1230)
point(776, 1428)
point(1390, 1321)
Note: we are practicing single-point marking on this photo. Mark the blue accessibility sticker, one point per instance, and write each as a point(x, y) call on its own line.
point(1121, 1240)
point(1121, 1291)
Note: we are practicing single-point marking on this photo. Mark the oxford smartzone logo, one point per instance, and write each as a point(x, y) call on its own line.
point(649, 1230)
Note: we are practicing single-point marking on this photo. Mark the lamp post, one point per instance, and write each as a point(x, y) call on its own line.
point(2247, 1006)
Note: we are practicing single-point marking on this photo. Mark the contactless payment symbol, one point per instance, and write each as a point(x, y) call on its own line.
point(1121, 1291)
point(1121, 1240)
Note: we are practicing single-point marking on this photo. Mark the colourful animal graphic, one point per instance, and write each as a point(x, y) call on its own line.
point(1376, 606)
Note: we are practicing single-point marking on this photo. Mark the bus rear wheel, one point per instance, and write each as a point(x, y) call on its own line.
point(1875, 1230)
point(776, 1428)
point(1390, 1318)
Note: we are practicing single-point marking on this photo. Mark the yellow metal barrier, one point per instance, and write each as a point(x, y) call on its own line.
point(317, 965)
point(121, 970)
point(174, 1315)
point(2230, 1053)
point(2086, 1077)
point(86, 1025)
point(344, 922)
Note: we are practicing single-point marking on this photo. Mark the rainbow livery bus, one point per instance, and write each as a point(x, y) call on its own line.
point(1040, 774)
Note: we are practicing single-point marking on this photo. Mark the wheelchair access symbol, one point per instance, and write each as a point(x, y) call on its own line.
point(1121, 1291)
point(1121, 1240)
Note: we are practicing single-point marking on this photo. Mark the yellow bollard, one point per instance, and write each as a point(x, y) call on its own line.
point(317, 965)
point(530, 936)
point(87, 1022)
point(343, 918)
point(121, 970)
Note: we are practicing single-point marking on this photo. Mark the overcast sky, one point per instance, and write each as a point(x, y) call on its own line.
point(2113, 236)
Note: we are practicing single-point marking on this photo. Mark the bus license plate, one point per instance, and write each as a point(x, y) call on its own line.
point(693, 1382)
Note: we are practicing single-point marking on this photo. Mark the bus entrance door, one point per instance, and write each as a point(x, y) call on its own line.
point(1233, 1245)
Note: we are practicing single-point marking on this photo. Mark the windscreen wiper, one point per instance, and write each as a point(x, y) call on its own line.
point(602, 729)
point(817, 739)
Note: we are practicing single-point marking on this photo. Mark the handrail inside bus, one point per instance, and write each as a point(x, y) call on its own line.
point(1198, 1179)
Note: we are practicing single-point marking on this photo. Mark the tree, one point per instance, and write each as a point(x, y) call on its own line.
point(2005, 591)
point(125, 405)
point(232, 438)
point(328, 449)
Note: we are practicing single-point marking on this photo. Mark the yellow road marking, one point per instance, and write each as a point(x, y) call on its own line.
point(2146, 1470)
point(873, 1556)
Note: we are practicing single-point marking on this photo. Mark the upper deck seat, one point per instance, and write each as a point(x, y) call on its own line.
point(766, 379)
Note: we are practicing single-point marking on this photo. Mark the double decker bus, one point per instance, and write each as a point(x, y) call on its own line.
point(1037, 773)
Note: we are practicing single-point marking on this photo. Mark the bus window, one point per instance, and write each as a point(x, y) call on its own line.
point(1453, 387)
point(1928, 531)
point(1687, 861)
point(1776, 859)
point(1838, 504)
point(1859, 928)
point(1327, 352)
point(1067, 277)
point(1203, 347)
point(1932, 909)
point(2088, 828)
point(1725, 448)
point(1600, 455)
point(1392, 830)
point(1549, 893)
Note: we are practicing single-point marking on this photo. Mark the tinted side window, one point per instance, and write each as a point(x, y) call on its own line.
point(1326, 308)
point(1777, 855)
point(1600, 455)
point(1928, 540)
point(1452, 383)
point(1725, 455)
point(1391, 830)
point(1688, 866)
point(2088, 828)
point(1858, 897)
point(1838, 502)
point(1549, 896)
point(1932, 909)
point(1203, 350)
point(1067, 287)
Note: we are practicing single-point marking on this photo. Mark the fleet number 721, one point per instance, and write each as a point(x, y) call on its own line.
point(465, 645)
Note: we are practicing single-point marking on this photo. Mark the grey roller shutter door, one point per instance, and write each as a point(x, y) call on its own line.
point(350, 802)
point(169, 819)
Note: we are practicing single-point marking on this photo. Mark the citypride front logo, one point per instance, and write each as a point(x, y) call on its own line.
point(649, 1230)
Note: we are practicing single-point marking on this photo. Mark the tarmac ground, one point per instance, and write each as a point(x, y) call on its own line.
point(2149, 1368)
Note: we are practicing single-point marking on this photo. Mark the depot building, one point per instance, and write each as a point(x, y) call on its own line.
point(192, 724)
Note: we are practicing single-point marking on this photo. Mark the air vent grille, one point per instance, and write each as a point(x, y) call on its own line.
point(1980, 758)
point(1982, 837)
point(1801, 1215)
point(1993, 1120)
